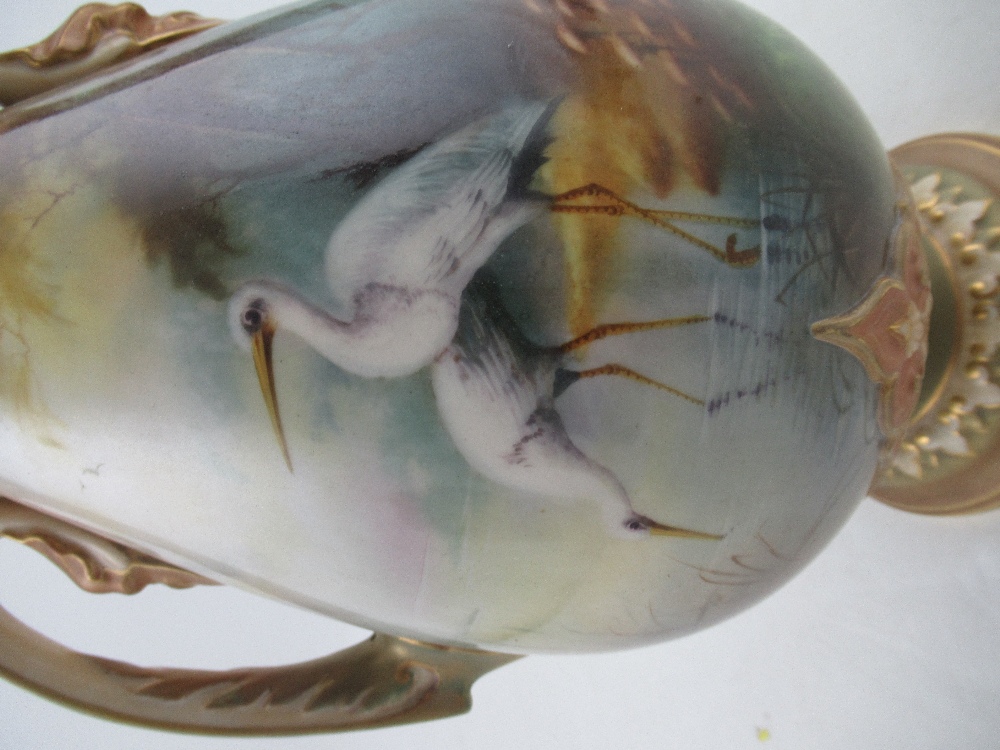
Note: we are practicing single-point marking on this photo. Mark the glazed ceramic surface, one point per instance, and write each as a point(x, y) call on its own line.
point(490, 323)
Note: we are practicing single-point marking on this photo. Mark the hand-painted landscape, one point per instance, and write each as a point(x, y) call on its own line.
point(519, 344)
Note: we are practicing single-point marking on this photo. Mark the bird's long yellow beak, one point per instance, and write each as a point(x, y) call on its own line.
point(658, 529)
point(260, 345)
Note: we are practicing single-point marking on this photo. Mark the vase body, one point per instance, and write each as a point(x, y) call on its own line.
point(682, 305)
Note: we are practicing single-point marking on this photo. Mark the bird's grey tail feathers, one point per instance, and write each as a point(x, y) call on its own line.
point(530, 158)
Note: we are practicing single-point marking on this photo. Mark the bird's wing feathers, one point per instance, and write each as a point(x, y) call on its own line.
point(449, 191)
point(501, 421)
point(492, 364)
point(490, 376)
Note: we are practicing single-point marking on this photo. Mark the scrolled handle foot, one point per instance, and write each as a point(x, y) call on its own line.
point(383, 681)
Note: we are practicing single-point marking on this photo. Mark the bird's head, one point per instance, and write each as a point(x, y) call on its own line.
point(251, 314)
point(253, 324)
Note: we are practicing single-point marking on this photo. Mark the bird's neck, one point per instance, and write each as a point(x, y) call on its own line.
point(613, 499)
point(380, 341)
point(328, 335)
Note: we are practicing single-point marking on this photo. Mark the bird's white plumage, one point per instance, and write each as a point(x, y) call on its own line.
point(437, 218)
point(401, 258)
point(402, 261)
point(494, 391)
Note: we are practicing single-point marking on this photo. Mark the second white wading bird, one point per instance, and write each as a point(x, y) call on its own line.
point(496, 394)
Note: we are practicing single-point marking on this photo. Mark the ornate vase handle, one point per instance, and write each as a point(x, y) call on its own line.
point(94, 37)
point(385, 680)
point(382, 681)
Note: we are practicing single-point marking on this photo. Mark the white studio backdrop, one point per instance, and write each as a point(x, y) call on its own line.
point(890, 639)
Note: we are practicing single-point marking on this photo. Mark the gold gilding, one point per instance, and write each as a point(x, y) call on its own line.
point(949, 460)
point(380, 682)
point(93, 563)
point(95, 36)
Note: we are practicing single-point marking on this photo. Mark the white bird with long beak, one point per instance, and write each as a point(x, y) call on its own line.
point(401, 258)
point(496, 393)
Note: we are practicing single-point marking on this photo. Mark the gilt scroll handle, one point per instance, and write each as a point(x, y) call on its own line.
point(94, 37)
point(383, 681)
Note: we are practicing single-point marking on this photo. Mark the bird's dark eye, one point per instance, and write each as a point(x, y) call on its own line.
point(634, 525)
point(253, 316)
